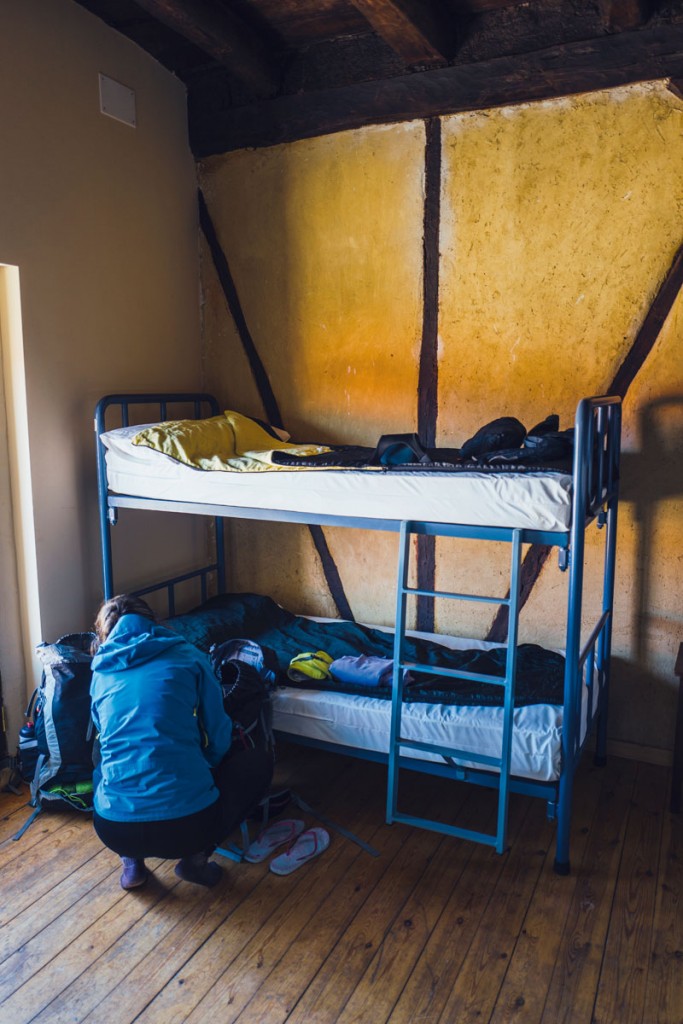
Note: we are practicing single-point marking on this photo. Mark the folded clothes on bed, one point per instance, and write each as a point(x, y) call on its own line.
point(540, 673)
point(366, 670)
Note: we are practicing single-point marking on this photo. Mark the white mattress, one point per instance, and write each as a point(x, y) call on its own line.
point(531, 501)
point(363, 722)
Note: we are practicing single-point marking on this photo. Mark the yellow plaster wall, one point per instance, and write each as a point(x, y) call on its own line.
point(559, 221)
point(321, 241)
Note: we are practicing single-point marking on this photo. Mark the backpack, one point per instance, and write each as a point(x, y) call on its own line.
point(246, 678)
point(60, 706)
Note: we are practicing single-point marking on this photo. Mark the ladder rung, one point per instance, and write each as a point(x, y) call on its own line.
point(434, 748)
point(452, 673)
point(458, 597)
point(449, 830)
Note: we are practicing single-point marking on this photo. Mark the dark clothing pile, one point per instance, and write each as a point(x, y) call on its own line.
point(540, 673)
point(502, 445)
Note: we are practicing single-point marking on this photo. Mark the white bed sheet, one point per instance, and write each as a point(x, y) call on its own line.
point(532, 501)
point(358, 721)
point(363, 722)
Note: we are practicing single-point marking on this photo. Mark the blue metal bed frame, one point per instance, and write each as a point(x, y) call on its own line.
point(594, 500)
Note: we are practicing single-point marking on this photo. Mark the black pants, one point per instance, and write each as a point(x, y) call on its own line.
point(242, 778)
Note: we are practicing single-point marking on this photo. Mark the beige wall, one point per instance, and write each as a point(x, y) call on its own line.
point(101, 221)
point(559, 221)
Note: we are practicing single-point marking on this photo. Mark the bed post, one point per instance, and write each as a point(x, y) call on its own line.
point(596, 488)
point(220, 554)
point(572, 690)
point(605, 641)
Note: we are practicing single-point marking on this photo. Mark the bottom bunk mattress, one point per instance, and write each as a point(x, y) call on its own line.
point(362, 723)
point(444, 712)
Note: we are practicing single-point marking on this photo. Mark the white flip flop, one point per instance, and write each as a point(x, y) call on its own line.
point(309, 844)
point(277, 834)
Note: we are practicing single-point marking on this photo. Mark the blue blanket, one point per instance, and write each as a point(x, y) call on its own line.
point(540, 673)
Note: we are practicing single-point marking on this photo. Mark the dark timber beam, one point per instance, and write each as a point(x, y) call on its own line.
point(416, 30)
point(428, 377)
point(675, 87)
point(618, 15)
point(587, 66)
point(222, 36)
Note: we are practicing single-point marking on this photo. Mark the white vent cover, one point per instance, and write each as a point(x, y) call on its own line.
point(117, 101)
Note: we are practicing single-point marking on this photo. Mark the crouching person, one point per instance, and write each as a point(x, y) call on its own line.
point(168, 783)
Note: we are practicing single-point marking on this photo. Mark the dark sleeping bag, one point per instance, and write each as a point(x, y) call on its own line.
point(540, 673)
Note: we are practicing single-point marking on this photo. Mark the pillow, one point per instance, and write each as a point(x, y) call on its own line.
point(211, 443)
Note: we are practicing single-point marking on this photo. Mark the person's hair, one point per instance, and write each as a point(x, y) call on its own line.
point(112, 610)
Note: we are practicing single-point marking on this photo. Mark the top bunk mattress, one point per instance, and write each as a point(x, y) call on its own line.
point(526, 501)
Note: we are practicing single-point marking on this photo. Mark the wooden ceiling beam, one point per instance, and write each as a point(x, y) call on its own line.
point(222, 36)
point(675, 87)
point(605, 62)
point(618, 15)
point(416, 30)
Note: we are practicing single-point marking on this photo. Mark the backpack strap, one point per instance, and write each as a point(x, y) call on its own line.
point(26, 824)
point(28, 713)
point(300, 803)
point(35, 781)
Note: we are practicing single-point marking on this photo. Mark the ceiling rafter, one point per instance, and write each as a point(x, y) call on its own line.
point(602, 63)
point(675, 87)
point(416, 30)
point(221, 35)
point(618, 15)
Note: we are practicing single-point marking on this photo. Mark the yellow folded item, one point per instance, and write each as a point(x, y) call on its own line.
point(309, 665)
point(228, 443)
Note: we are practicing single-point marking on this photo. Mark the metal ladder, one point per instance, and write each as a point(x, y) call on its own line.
point(450, 755)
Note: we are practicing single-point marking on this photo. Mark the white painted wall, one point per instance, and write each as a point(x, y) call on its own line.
point(100, 220)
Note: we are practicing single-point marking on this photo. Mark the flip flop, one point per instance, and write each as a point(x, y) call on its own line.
point(308, 845)
point(277, 834)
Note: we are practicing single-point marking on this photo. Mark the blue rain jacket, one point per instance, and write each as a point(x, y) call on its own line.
point(158, 708)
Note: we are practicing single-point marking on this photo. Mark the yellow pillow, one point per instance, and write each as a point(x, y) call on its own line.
point(229, 443)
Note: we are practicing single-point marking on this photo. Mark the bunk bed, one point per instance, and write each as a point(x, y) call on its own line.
point(534, 748)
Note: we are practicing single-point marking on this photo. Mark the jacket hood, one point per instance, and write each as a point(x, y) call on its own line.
point(133, 641)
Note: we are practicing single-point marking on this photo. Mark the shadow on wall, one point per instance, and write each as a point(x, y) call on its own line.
point(645, 697)
point(648, 477)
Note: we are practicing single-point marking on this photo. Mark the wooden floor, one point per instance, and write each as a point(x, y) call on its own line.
point(433, 929)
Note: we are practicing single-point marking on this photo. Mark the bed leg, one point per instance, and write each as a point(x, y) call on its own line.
point(561, 867)
point(564, 816)
point(600, 755)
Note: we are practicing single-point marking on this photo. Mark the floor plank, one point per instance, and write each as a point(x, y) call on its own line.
point(394, 960)
point(664, 994)
point(238, 903)
point(247, 940)
point(434, 929)
point(334, 984)
point(572, 989)
point(523, 993)
point(623, 980)
point(476, 988)
point(288, 949)
point(276, 1001)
